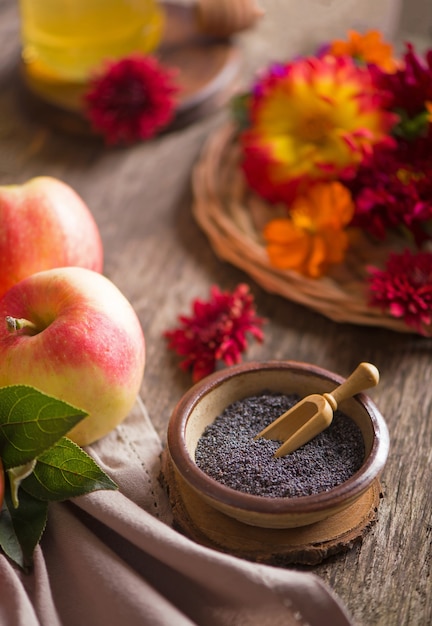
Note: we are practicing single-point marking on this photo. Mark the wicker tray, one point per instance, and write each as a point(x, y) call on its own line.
point(232, 216)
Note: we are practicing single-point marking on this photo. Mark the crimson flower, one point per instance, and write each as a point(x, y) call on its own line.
point(404, 288)
point(393, 192)
point(411, 89)
point(216, 331)
point(131, 100)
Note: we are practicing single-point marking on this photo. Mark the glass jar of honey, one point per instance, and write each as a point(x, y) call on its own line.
point(67, 40)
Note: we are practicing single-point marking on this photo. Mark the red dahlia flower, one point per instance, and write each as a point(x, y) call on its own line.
point(404, 289)
point(216, 331)
point(393, 192)
point(131, 100)
point(411, 89)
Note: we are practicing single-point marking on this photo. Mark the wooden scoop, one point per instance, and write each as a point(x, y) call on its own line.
point(313, 414)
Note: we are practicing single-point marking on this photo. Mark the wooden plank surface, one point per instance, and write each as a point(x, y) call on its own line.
point(156, 254)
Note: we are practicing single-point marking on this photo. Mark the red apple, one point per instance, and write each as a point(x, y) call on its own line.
point(45, 224)
point(72, 334)
point(2, 484)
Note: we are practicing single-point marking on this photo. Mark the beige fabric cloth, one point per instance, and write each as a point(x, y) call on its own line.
point(112, 558)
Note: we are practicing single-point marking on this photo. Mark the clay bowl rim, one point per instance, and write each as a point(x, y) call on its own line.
point(350, 489)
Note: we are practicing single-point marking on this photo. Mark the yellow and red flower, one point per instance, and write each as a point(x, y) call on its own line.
point(310, 120)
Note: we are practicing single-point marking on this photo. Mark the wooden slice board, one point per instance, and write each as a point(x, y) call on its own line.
point(308, 545)
point(207, 74)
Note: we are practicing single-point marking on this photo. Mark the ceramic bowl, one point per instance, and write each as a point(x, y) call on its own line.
point(209, 397)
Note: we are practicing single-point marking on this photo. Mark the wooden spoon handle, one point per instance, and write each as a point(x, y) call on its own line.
point(222, 18)
point(363, 377)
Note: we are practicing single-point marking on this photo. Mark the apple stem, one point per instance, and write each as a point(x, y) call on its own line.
point(17, 323)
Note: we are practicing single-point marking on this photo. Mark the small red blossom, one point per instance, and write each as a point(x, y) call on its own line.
point(131, 100)
point(216, 331)
point(404, 289)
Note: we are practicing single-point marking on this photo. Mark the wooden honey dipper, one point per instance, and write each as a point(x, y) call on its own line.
point(314, 413)
point(222, 18)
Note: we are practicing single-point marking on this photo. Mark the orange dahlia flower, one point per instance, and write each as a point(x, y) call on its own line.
point(366, 48)
point(312, 238)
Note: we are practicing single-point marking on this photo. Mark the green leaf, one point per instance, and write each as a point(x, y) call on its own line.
point(31, 422)
point(22, 528)
point(411, 127)
point(240, 110)
point(65, 471)
point(8, 540)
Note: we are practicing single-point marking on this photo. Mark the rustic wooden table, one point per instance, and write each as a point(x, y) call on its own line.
point(141, 198)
